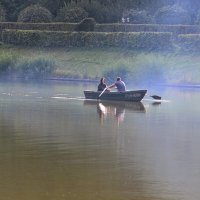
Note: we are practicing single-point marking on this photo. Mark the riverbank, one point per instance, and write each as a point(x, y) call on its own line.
point(90, 64)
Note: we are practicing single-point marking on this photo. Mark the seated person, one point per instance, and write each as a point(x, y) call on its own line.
point(102, 85)
point(119, 84)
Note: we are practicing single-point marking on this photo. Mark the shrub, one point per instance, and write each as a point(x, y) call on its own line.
point(87, 24)
point(7, 62)
point(35, 14)
point(71, 14)
point(138, 16)
point(102, 13)
point(99, 11)
point(172, 15)
point(36, 68)
point(2, 14)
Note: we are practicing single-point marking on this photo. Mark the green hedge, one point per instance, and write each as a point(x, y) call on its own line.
point(136, 40)
point(177, 29)
point(41, 38)
point(39, 26)
point(189, 42)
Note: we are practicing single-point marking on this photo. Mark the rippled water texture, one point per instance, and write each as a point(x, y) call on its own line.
point(54, 145)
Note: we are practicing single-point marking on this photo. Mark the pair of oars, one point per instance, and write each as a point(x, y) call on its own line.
point(153, 96)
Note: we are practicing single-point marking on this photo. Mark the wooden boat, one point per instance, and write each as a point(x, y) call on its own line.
point(134, 96)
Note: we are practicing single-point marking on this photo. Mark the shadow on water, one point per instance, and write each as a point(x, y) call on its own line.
point(115, 108)
point(156, 103)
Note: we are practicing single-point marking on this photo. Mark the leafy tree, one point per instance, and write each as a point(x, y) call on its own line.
point(71, 14)
point(2, 14)
point(101, 12)
point(35, 14)
point(55, 5)
point(107, 10)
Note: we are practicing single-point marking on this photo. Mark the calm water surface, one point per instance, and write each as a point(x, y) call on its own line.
point(54, 145)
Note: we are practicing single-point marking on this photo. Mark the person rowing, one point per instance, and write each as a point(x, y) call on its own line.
point(119, 84)
point(102, 85)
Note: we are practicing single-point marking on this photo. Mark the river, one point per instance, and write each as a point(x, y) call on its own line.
point(55, 145)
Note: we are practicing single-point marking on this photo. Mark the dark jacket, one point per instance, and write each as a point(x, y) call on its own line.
point(101, 86)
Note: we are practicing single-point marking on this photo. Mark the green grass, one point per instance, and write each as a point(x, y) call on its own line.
point(93, 63)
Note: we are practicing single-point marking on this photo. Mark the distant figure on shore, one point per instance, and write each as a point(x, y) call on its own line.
point(119, 84)
point(102, 85)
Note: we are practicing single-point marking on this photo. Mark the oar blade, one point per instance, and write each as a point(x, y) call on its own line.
point(156, 97)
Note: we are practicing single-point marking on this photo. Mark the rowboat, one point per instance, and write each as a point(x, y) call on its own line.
point(134, 95)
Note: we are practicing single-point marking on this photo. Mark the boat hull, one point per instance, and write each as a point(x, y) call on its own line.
point(135, 96)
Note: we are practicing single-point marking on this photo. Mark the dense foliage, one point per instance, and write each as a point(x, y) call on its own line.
point(2, 14)
point(35, 14)
point(35, 68)
point(148, 41)
point(103, 11)
point(87, 24)
point(71, 14)
point(7, 61)
point(13, 64)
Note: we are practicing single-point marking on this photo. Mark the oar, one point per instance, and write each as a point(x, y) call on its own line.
point(102, 92)
point(155, 97)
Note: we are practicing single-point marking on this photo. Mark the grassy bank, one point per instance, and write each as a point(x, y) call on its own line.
point(90, 63)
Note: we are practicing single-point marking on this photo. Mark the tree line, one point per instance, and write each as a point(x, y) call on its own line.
point(13, 7)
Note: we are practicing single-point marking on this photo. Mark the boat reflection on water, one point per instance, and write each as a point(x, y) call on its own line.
point(115, 108)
